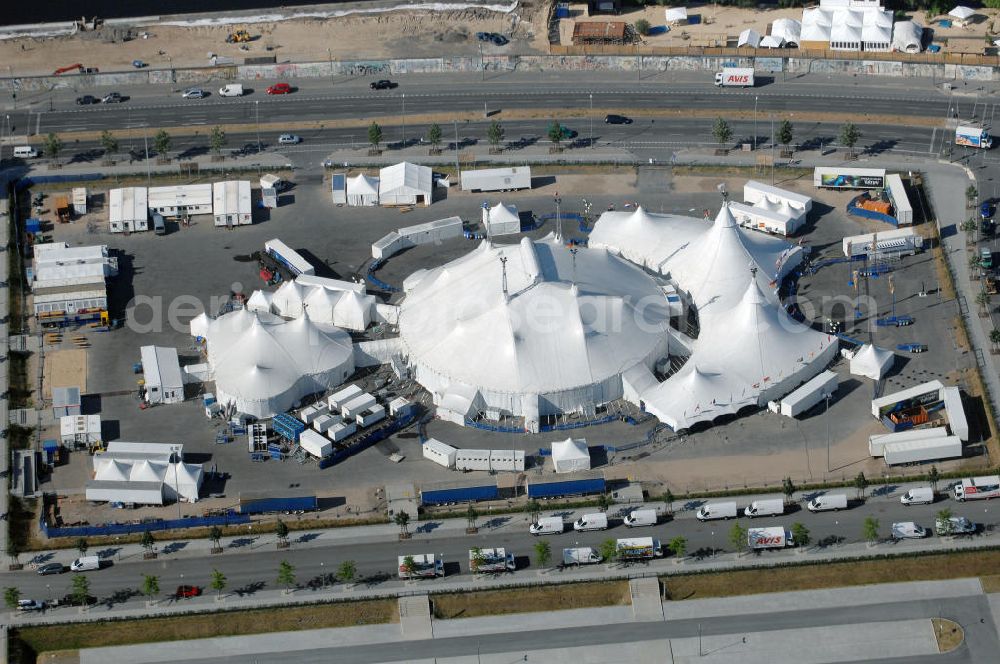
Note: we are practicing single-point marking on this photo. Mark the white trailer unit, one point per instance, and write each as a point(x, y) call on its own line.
point(638, 548)
point(315, 443)
point(310, 413)
point(338, 188)
point(472, 460)
point(506, 460)
point(878, 441)
point(80, 200)
point(399, 406)
point(128, 210)
point(901, 207)
point(288, 257)
point(357, 405)
point(370, 416)
point(181, 200)
point(324, 422)
point(432, 232)
point(810, 394)
point(161, 375)
point(269, 198)
point(497, 179)
point(491, 561)
point(769, 538)
point(896, 242)
point(231, 205)
point(977, 488)
point(763, 219)
point(269, 181)
point(341, 430)
point(420, 566)
point(955, 410)
point(438, 452)
point(915, 451)
point(388, 245)
point(79, 430)
point(337, 400)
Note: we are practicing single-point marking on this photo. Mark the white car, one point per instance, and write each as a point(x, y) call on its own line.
point(908, 530)
point(289, 139)
point(194, 93)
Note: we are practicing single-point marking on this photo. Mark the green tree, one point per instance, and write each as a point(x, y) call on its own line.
point(543, 553)
point(603, 502)
point(861, 484)
point(218, 583)
point(52, 145)
point(80, 590)
point(983, 300)
point(785, 133)
point(347, 571)
point(109, 143)
point(286, 574)
point(495, 134)
point(471, 516)
point(788, 488)
point(374, 135)
point(995, 336)
point(678, 546)
point(555, 133)
point(668, 498)
point(82, 545)
point(971, 194)
point(849, 136)
point(215, 534)
point(150, 585)
point(869, 529)
point(609, 550)
point(147, 541)
point(402, 519)
point(722, 132)
point(477, 559)
point(738, 537)
point(534, 509)
point(642, 26)
point(281, 530)
point(161, 143)
point(944, 525)
point(409, 566)
point(434, 136)
point(11, 596)
point(800, 534)
point(217, 139)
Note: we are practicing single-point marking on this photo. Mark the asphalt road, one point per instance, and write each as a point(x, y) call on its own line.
point(251, 565)
point(980, 645)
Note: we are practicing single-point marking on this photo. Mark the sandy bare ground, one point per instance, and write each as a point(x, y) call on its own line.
point(410, 34)
point(65, 368)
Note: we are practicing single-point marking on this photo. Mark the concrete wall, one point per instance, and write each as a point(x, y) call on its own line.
point(385, 68)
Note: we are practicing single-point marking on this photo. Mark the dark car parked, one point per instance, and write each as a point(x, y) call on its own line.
point(617, 119)
point(87, 99)
point(384, 84)
point(51, 568)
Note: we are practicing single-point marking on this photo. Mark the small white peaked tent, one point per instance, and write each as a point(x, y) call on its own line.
point(362, 191)
point(184, 481)
point(287, 301)
point(405, 184)
point(570, 455)
point(872, 362)
point(772, 41)
point(260, 301)
point(749, 38)
point(501, 220)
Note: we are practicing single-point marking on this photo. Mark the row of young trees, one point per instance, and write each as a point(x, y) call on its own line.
point(785, 135)
point(162, 142)
point(495, 134)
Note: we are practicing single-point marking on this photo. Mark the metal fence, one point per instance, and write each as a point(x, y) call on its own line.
point(231, 518)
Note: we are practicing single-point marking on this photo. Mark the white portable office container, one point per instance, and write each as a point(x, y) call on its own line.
point(370, 416)
point(337, 400)
point(341, 430)
point(357, 405)
point(438, 452)
point(315, 443)
point(472, 460)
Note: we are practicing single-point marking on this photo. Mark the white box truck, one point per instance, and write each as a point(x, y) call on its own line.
point(770, 507)
point(638, 518)
point(638, 548)
point(973, 137)
point(491, 561)
point(833, 501)
point(547, 525)
point(922, 495)
point(584, 555)
point(734, 77)
point(977, 488)
point(774, 537)
point(86, 564)
point(595, 521)
point(420, 566)
point(717, 511)
point(955, 525)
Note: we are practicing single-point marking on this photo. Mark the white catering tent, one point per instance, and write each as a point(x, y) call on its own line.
point(570, 455)
point(772, 41)
point(362, 190)
point(962, 14)
point(872, 362)
point(265, 365)
point(749, 38)
point(476, 347)
point(501, 219)
point(907, 36)
point(144, 482)
point(405, 184)
point(787, 30)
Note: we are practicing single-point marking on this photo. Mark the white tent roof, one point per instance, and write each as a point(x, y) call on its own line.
point(643, 238)
point(362, 184)
point(961, 12)
point(591, 331)
point(405, 177)
point(185, 479)
point(907, 36)
point(872, 362)
point(787, 29)
point(260, 300)
point(749, 38)
point(500, 213)
point(674, 14)
point(112, 470)
point(199, 325)
point(288, 299)
point(570, 455)
point(771, 41)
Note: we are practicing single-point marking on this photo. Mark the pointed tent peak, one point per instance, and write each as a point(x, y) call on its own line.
point(725, 218)
point(766, 203)
point(640, 215)
point(754, 295)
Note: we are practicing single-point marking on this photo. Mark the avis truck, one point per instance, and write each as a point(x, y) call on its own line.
point(978, 488)
point(973, 137)
point(638, 548)
point(491, 561)
point(734, 77)
point(774, 537)
point(420, 566)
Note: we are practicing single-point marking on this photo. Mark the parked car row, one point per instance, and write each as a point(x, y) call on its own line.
point(110, 98)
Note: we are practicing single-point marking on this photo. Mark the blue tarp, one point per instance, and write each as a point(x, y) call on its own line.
point(565, 488)
point(459, 495)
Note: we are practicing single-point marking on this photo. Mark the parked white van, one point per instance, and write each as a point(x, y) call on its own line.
point(717, 511)
point(640, 518)
point(923, 495)
point(25, 152)
point(547, 525)
point(771, 507)
point(595, 521)
point(231, 90)
point(825, 503)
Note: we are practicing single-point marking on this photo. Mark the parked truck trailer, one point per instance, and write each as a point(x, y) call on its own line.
point(638, 548)
point(972, 136)
point(491, 561)
point(735, 77)
point(977, 488)
point(420, 566)
point(774, 537)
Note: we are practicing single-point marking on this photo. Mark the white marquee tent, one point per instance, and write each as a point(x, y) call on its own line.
point(907, 36)
point(362, 190)
point(749, 38)
point(787, 30)
point(501, 220)
point(570, 455)
point(405, 184)
point(872, 362)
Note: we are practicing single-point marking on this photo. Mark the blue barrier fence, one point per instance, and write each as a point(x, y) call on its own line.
point(485, 426)
point(231, 518)
point(389, 288)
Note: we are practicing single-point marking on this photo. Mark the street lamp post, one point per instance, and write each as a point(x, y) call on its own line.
point(256, 111)
point(482, 63)
point(558, 217)
point(591, 95)
point(177, 486)
point(755, 123)
point(403, 97)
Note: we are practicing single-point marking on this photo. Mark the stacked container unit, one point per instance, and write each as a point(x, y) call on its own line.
point(324, 422)
point(315, 443)
point(438, 452)
point(370, 416)
point(310, 413)
point(357, 405)
point(341, 430)
point(337, 400)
